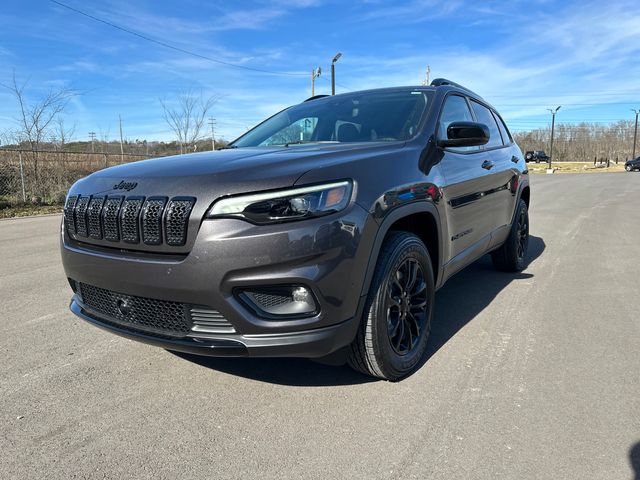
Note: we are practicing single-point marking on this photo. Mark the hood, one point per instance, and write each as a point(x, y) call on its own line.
point(224, 172)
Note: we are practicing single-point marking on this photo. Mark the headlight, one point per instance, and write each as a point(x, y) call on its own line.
point(286, 205)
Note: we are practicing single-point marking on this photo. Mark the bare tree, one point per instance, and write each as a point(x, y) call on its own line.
point(8, 137)
point(584, 141)
point(62, 133)
point(187, 118)
point(36, 118)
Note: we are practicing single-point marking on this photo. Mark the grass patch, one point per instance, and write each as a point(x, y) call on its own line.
point(29, 210)
point(576, 167)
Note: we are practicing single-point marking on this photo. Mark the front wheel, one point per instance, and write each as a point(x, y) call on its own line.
point(510, 257)
point(392, 337)
point(627, 168)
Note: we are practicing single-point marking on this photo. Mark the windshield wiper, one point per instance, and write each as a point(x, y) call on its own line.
point(228, 147)
point(300, 142)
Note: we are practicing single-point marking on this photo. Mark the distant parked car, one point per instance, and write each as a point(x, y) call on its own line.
point(536, 156)
point(631, 165)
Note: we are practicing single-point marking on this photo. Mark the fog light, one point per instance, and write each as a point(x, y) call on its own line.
point(280, 301)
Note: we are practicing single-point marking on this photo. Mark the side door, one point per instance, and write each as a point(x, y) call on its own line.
point(512, 156)
point(501, 171)
point(466, 181)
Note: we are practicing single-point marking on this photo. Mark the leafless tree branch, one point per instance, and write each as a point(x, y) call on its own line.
point(186, 119)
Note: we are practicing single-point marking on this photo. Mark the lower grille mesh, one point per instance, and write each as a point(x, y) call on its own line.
point(147, 314)
point(270, 300)
point(152, 316)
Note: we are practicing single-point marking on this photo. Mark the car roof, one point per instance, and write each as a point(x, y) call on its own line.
point(438, 84)
point(449, 86)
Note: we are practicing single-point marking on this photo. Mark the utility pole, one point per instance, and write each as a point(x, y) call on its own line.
point(635, 133)
point(426, 76)
point(92, 136)
point(315, 72)
point(121, 143)
point(553, 124)
point(333, 72)
point(212, 122)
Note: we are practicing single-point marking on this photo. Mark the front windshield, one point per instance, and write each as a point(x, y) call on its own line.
point(381, 116)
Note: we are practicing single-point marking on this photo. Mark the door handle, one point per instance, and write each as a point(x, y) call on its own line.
point(487, 164)
point(515, 159)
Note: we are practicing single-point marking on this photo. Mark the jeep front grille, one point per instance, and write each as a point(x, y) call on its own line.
point(110, 217)
point(176, 220)
point(149, 315)
point(93, 213)
point(133, 220)
point(81, 216)
point(129, 219)
point(152, 220)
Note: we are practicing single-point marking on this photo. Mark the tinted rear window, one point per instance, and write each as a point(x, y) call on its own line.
point(484, 115)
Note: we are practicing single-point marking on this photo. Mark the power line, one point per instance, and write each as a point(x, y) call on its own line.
point(173, 47)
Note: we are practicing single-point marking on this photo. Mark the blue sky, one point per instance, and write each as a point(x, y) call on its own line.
point(522, 56)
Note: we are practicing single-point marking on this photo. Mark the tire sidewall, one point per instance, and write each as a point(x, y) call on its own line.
point(393, 365)
point(520, 262)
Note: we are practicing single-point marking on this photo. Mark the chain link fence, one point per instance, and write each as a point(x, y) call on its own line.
point(43, 177)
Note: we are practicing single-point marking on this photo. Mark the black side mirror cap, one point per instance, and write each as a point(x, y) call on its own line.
point(465, 134)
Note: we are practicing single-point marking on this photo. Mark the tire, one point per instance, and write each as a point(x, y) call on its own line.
point(511, 256)
point(392, 337)
point(628, 168)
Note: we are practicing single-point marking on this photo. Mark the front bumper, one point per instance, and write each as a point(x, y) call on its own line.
point(310, 344)
point(329, 255)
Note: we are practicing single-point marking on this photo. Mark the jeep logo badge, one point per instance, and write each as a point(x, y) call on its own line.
point(123, 307)
point(128, 186)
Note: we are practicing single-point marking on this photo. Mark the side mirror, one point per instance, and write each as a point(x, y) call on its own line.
point(465, 134)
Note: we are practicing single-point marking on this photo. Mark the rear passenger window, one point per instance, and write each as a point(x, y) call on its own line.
point(484, 115)
point(455, 109)
point(506, 138)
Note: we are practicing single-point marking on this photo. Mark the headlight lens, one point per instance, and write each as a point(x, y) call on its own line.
point(286, 205)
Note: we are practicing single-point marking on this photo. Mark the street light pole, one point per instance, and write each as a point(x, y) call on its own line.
point(333, 73)
point(212, 122)
point(315, 72)
point(635, 133)
point(553, 124)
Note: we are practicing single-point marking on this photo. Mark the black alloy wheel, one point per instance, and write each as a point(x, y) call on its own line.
point(522, 230)
point(406, 306)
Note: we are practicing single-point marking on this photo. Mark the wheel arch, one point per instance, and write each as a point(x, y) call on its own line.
point(421, 219)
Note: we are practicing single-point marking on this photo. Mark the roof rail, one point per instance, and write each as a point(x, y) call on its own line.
point(439, 82)
point(315, 97)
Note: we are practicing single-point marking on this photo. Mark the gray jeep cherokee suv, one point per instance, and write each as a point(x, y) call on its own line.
point(327, 227)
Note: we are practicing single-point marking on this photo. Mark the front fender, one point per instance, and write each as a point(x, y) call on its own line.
point(385, 224)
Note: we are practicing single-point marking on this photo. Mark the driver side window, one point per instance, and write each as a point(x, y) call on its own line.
point(455, 109)
point(301, 130)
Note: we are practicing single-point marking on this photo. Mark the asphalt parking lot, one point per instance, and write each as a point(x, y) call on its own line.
point(531, 375)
